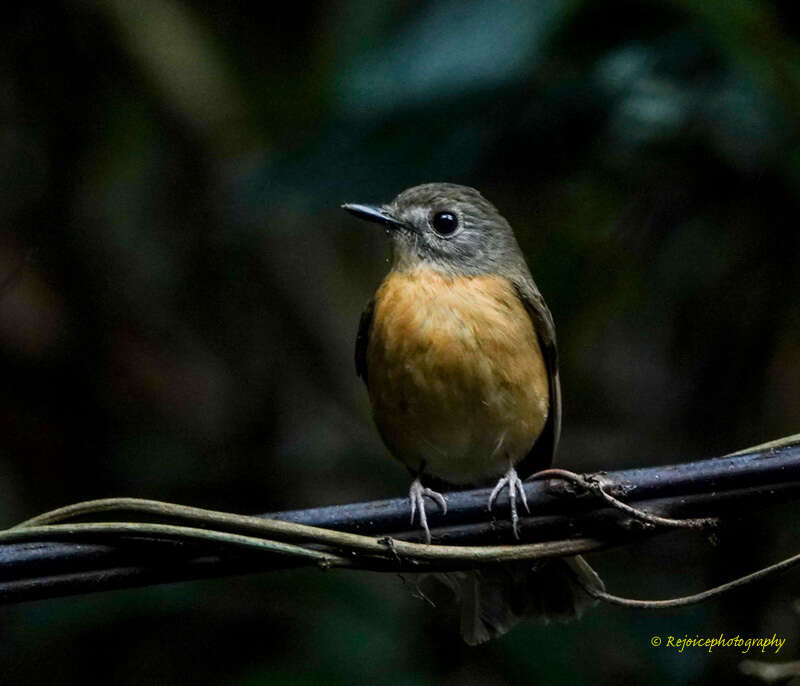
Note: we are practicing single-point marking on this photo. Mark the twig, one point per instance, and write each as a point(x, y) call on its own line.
point(759, 575)
point(461, 556)
point(104, 530)
point(770, 672)
point(597, 484)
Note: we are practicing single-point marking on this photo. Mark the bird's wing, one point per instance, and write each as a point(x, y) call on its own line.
point(543, 451)
point(362, 339)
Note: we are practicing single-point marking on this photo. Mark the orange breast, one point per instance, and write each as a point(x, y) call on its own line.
point(456, 375)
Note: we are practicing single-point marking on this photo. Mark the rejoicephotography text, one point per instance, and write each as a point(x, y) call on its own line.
point(721, 641)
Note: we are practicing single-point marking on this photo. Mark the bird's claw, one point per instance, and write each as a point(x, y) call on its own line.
point(416, 494)
point(514, 484)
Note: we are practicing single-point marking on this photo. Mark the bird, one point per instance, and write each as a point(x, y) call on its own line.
point(458, 352)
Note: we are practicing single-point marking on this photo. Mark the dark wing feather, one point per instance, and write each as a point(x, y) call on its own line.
point(544, 450)
point(362, 340)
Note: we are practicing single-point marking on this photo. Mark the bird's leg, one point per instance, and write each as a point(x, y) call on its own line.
point(415, 495)
point(514, 484)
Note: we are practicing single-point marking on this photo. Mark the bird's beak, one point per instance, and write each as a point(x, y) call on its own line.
point(373, 214)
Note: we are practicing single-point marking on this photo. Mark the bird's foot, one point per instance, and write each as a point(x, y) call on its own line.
point(514, 484)
point(415, 495)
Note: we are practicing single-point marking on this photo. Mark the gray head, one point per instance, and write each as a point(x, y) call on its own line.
point(451, 228)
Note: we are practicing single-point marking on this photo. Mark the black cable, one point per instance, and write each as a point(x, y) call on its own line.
point(718, 487)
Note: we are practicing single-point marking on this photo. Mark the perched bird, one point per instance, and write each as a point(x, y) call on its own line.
point(458, 352)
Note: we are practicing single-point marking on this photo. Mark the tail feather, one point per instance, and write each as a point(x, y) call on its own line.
point(494, 599)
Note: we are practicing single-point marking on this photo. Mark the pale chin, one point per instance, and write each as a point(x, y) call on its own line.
point(404, 254)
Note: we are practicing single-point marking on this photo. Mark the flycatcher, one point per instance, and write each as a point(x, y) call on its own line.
point(458, 352)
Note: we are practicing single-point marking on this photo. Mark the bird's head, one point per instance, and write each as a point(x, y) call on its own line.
point(448, 227)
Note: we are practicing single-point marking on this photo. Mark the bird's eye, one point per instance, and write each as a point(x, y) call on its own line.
point(444, 223)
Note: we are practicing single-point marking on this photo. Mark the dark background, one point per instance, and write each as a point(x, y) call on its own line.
point(187, 292)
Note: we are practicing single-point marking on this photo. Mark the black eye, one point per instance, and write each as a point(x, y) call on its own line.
point(444, 223)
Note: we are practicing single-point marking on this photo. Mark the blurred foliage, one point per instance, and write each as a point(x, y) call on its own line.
point(187, 294)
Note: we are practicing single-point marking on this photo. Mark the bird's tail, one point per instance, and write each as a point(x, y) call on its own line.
point(494, 599)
